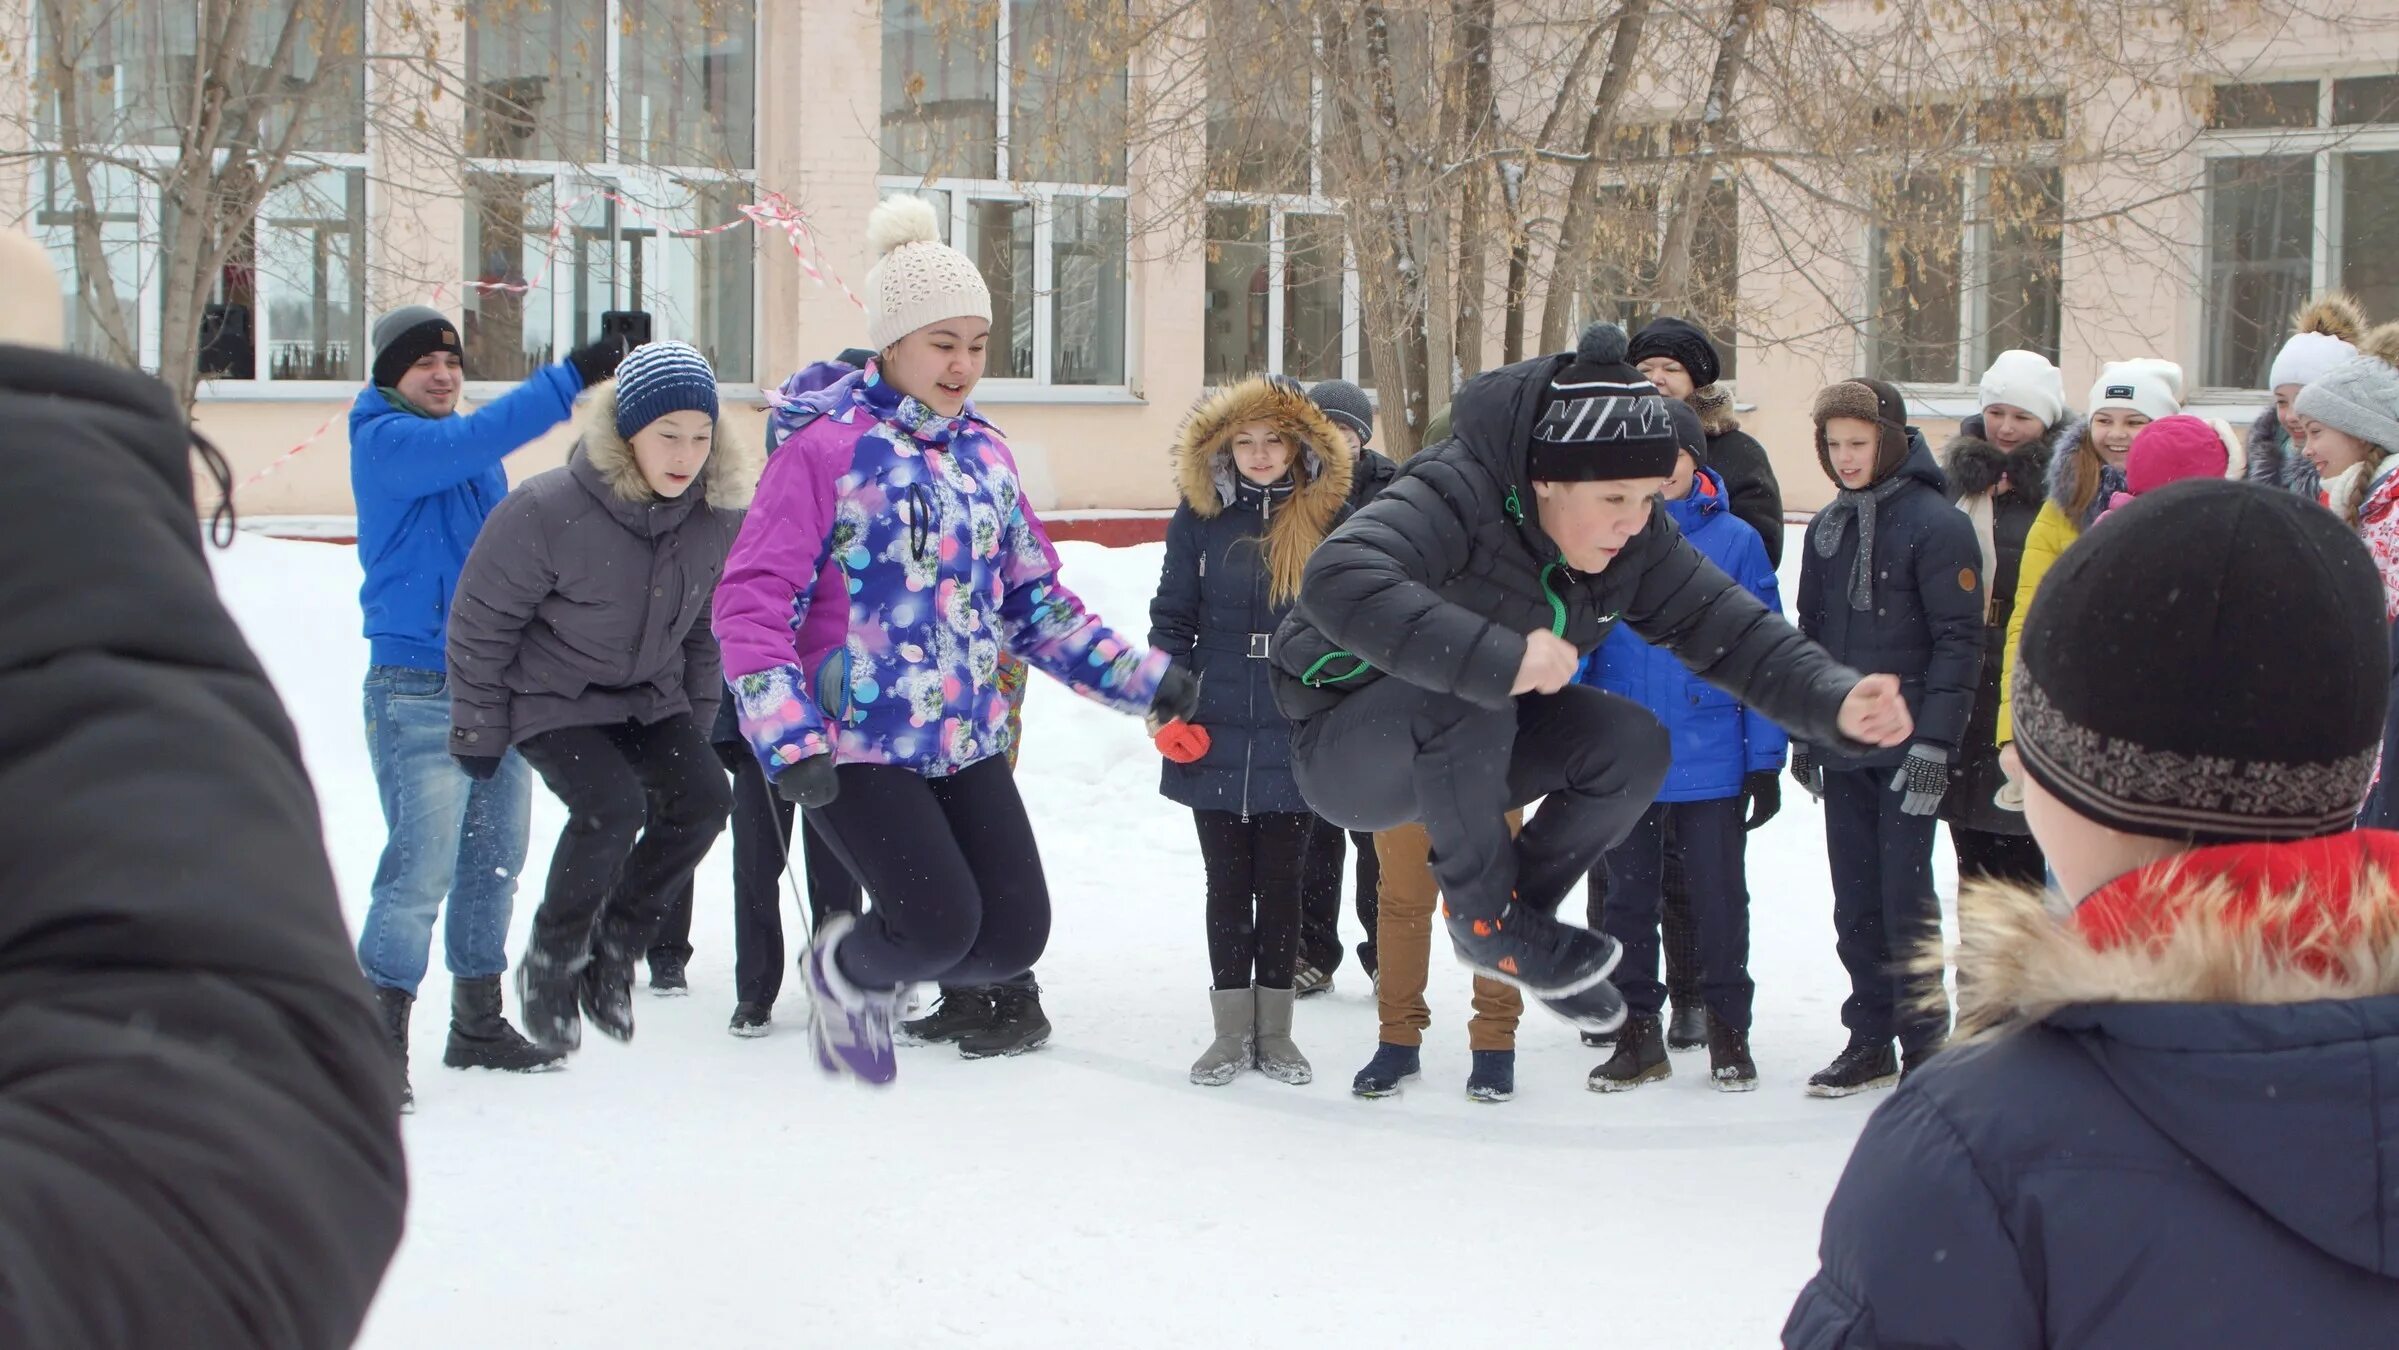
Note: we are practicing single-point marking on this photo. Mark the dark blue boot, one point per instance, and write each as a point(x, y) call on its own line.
point(1494, 1076)
point(1391, 1065)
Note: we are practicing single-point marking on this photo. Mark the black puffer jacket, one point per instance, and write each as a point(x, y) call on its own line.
point(1925, 622)
point(1370, 473)
point(1975, 466)
point(1439, 579)
point(1748, 474)
point(199, 1121)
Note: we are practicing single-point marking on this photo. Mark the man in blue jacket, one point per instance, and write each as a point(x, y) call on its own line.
point(424, 477)
point(1723, 781)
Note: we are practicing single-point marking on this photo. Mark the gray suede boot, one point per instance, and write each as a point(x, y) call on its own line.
point(1236, 1021)
point(1278, 1058)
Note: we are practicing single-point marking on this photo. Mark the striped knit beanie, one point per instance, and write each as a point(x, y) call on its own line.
point(662, 378)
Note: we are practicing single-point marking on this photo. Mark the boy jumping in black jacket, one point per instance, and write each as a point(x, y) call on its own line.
point(1478, 580)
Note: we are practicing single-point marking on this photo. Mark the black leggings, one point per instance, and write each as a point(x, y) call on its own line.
point(1254, 872)
point(955, 878)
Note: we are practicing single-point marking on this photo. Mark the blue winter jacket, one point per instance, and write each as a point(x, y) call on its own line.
point(2215, 1166)
point(423, 487)
point(1715, 738)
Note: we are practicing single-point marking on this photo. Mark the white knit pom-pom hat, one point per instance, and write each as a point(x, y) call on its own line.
point(917, 279)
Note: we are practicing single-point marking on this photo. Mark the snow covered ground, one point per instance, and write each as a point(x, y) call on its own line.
point(692, 1189)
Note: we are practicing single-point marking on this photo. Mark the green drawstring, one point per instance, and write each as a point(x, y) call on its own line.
point(1513, 506)
point(1312, 680)
point(1316, 679)
point(1557, 607)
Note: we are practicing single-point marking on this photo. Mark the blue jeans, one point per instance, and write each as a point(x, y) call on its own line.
point(450, 835)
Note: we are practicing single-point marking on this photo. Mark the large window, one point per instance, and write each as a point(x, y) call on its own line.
point(1964, 267)
point(2302, 189)
point(1009, 121)
point(576, 207)
point(1629, 234)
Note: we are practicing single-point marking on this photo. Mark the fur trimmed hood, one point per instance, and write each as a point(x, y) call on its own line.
point(1714, 404)
point(1975, 466)
point(1321, 469)
point(2239, 924)
point(727, 480)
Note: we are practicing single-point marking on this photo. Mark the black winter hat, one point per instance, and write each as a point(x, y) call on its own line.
point(406, 336)
point(1600, 420)
point(1689, 434)
point(1346, 404)
point(2209, 664)
point(1682, 342)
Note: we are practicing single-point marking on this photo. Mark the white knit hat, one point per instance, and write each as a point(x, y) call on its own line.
point(916, 279)
point(2307, 358)
point(2026, 380)
point(2149, 386)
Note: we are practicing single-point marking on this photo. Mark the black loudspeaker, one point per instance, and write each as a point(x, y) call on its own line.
point(631, 324)
point(226, 352)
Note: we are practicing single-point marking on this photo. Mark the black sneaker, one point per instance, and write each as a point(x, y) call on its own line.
point(961, 1013)
point(1640, 1056)
point(1860, 1068)
point(1016, 1026)
point(606, 993)
point(1687, 1028)
point(1550, 960)
point(751, 1020)
point(1309, 980)
point(1729, 1064)
point(1599, 1040)
point(667, 979)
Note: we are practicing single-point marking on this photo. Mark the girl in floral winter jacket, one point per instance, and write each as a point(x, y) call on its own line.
point(889, 561)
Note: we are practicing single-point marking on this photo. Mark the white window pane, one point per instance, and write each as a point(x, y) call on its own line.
point(2261, 222)
point(508, 327)
point(311, 250)
point(1087, 291)
point(103, 308)
point(688, 84)
point(941, 91)
point(1258, 111)
point(2370, 230)
point(698, 289)
point(535, 73)
point(999, 237)
point(1312, 331)
point(1239, 273)
point(1066, 108)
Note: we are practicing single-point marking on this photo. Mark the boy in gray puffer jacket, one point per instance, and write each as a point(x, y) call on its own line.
point(580, 638)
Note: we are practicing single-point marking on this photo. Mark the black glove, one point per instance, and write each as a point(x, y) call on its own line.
point(599, 360)
point(1924, 777)
point(481, 768)
point(1761, 797)
point(1806, 772)
point(809, 783)
point(1177, 699)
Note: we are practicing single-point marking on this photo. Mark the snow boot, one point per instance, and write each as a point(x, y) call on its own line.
point(547, 995)
point(667, 979)
point(850, 1027)
point(1687, 1025)
point(1860, 1068)
point(480, 1037)
point(1391, 1066)
point(1309, 981)
point(751, 1020)
point(1599, 1040)
point(606, 991)
point(1236, 1014)
point(392, 1007)
point(1536, 953)
point(1016, 1026)
point(961, 1013)
point(1278, 1056)
point(1640, 1057)
point(1493, 1078)
point(1597, 1009)
point(1729, 1065)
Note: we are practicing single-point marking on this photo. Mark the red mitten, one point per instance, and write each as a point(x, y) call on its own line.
point(1182, 742)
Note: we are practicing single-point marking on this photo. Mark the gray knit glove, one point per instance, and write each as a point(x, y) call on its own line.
point(1806, 772)
point(1924, 777)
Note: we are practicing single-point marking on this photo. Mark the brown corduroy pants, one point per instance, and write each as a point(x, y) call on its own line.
point(1403, 941)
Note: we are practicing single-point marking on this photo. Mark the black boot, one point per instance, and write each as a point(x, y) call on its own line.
point(547, 998)
point(606, 992)
point(394, 1006)
point(667, 979)
point(1729, 1064)
point(1863, 1066)
point(1016, 1025)
point(1640, 1056)
point(480, 1037)
point(751, 1020)
point(961, 1013)
point(1687, 1029)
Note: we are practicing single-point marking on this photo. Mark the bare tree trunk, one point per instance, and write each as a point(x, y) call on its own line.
point(1411, 302)
point(1474, 19)
point(1673, 291)
point(1579, 226)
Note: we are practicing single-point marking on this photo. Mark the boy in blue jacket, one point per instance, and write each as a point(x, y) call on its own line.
point(424, 477)
point(1723, 781)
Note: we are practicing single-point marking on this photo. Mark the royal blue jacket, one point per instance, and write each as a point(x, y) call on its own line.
point(423, 487)
point(1715, 738)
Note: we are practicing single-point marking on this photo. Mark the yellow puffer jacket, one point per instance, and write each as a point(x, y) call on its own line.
point(2051, 533)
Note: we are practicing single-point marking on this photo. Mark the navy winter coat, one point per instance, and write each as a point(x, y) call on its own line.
point(1715, 738)
point(1215, 613)
point(1926, 621)
point(2215, 1165)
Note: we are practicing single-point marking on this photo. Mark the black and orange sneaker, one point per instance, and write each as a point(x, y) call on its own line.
point(1534, 952)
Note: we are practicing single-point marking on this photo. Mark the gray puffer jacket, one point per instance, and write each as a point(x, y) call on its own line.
point(585, 601)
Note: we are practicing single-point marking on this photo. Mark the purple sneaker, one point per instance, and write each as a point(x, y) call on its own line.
point(850, 1027)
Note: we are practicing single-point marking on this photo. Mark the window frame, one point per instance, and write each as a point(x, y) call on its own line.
point(1665, 148)
point(1975, 250)
point(2325, 145)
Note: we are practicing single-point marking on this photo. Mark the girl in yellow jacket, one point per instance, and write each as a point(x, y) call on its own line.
point(2129, 396)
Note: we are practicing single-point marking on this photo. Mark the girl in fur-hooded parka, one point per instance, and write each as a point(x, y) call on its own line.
point(580, 637)
point(1264, 476)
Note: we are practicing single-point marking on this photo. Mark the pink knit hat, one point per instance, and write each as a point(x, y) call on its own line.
point(2171, 449)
